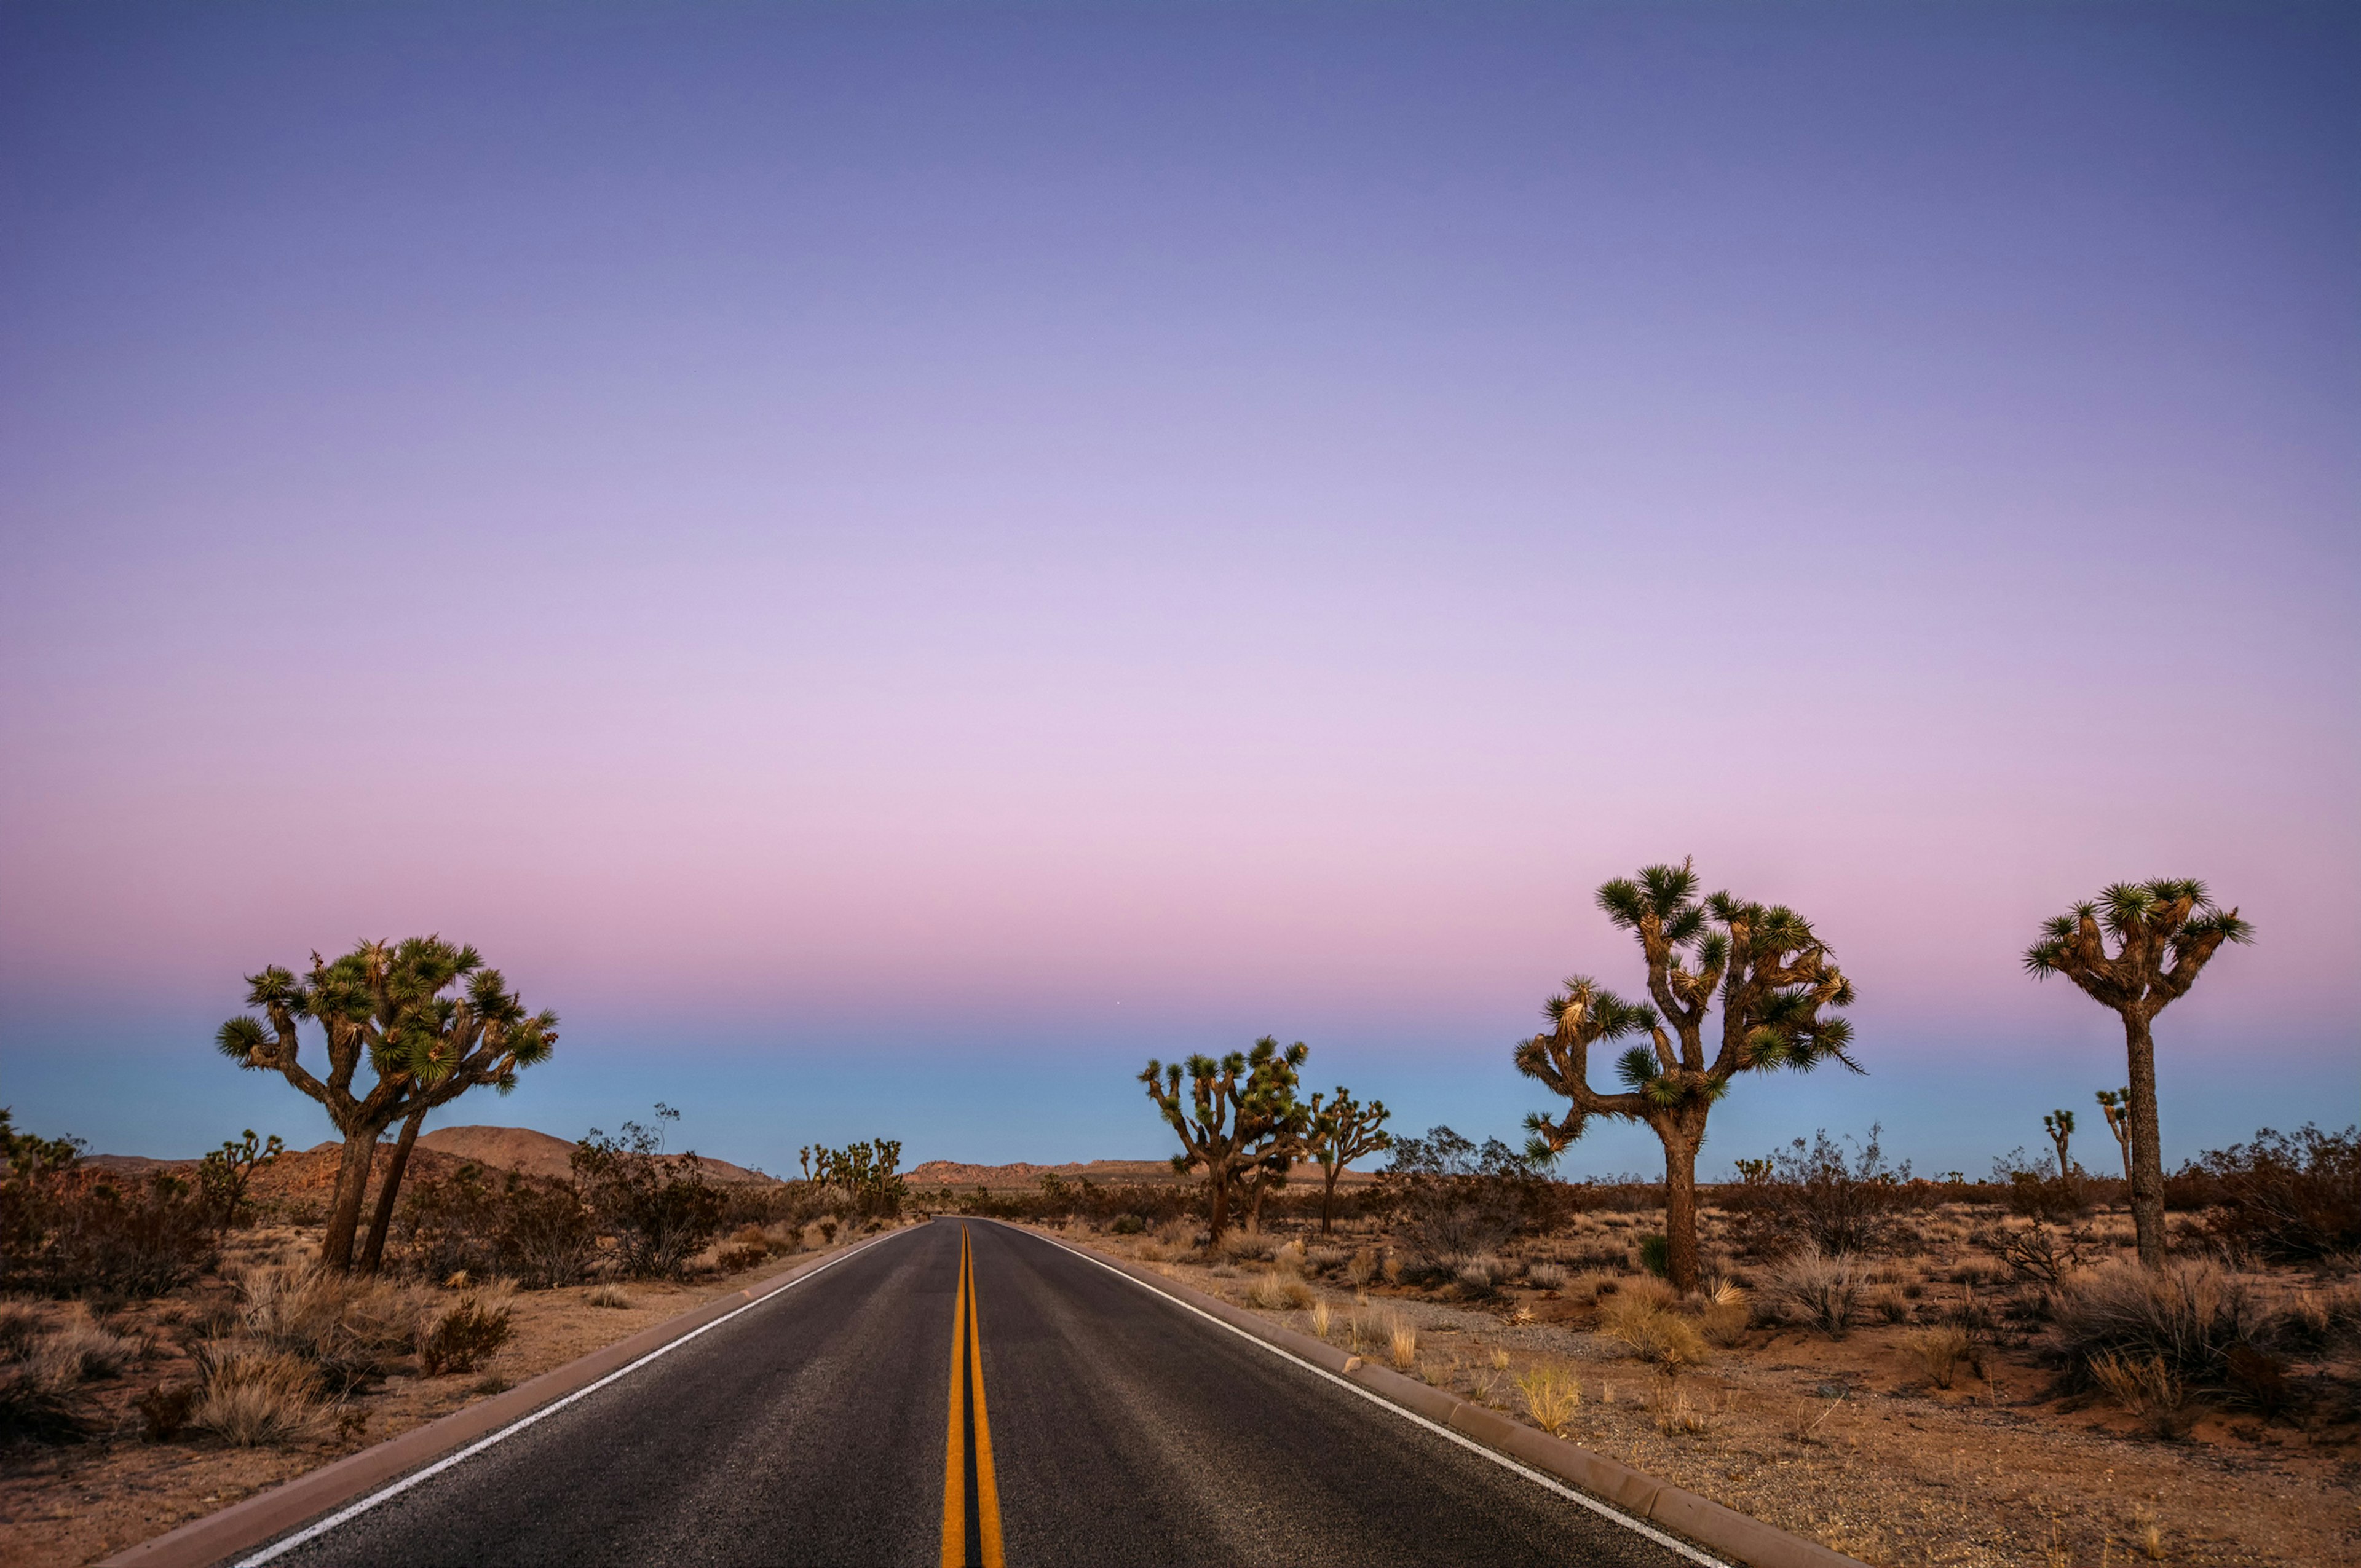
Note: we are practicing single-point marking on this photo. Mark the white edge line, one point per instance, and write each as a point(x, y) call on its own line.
point(1606, 1509)
point(353, 1510)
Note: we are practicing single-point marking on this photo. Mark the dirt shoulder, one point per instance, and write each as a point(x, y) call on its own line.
point(1844, 1441)
point(81, 1502)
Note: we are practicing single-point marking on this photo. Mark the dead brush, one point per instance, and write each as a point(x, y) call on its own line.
point(1322, 1320)
point(1553, 1394)
point(1546, 1275)
point(2192, 1318)
point(1679, 1416)
point(1241, 1245)
point(250, 1396)
point(79, 1350)
point(1726, 1315)
point(467, 1332)
point(607, 1296)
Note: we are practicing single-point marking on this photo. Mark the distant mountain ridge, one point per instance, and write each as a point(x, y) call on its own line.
point(531, 1153)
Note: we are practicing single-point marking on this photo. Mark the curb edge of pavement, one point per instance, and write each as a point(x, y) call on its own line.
point(211, 1537)
point(1724, 1529)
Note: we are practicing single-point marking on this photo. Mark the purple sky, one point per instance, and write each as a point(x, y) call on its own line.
point(891, 562)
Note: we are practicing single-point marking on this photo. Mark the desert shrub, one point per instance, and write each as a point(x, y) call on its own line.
point(606, 1296)
point(1655, 1253)
point(659, 1208)
point(864, 1173)
point(2040, 1255)
point(34, 1410)
point(466, 1333)
point(2038, 1190)
point(538, 1232)
point(164, 1412)
point(66, 1230)
point(1812, 1195)
point(1726, 1315)
point(1546, 1275)
point(1451, 1201)
point(83, 1349)
point(2188, 1320)
point(1128, 1225)
point(1553, 1394)
point(1361, 1267)
point(1816, 1289)
point(251, 1396)
point(2287, 1198)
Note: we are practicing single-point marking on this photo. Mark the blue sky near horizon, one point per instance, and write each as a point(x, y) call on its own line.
point(892, 561)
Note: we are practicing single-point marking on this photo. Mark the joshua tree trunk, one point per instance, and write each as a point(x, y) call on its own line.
point(1217, 1219)
point(2146, 1141)
point(352, 1186)
point(1680, 1210)
point(1328, 1199)
point(387, 1188)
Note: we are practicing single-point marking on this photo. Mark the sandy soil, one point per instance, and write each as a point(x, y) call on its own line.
point(80, 1503)
point(1845, 1442)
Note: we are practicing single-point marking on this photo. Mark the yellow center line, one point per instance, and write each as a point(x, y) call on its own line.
point(987, 1489)
point(967, 1369)
point(955, 1449)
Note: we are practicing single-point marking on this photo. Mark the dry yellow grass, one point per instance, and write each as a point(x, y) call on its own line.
point(1551, 1394)
point(1401, 1344)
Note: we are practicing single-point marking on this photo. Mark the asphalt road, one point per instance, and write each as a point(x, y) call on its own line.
point(818, 1427)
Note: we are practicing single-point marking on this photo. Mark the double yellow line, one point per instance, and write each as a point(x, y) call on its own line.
point(967, 1371)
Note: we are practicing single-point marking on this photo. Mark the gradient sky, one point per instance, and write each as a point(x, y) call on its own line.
point(891, 562)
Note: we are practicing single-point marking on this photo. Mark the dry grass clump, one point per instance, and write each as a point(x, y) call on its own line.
point(607, 1296)
point(466, 1333)
point(1401, 1344)
point(1591, 1284)
point(36, 1385)
point(1551, 1394)
point(350, 1329)
point(2192, 1318)
point(1279, 1291)
point(1651, 1333)
point(1322, 1320)
point(1676, 1416)
point(2148, 1390)
point(250, 1396)
point(1726, 1315)
point(1479, 1277)
point(79, 1350)
point(1943, 1351)
point(1818, 1289)
point(1241, 1245)
point(1546, 1275)
point(1363, 1267)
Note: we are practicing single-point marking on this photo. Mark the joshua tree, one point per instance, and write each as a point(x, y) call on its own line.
point(2165, 933)
point(2059, 1126)
point(1342, 1131)
point(223, 1175)
point(2114, 1104)
point(1775, 978)
point(381, 1005)
point(1236, 1114)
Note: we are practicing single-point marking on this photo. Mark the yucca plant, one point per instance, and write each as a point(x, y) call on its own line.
point(2165, 933)
point(1237, 1117)
point(1776, 981)
point(381, 1006)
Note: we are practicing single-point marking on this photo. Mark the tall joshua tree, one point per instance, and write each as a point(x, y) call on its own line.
point(2165, 933)
point(1233, 1116)
point(382, 1007)
point(1342, 1131)
point(2114, 1105)
point(2059, 1126)
point(1776, 981)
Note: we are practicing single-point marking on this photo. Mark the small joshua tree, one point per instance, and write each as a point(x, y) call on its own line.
point(2059, 1126)
point(1233, 1116)
point(381, 1006)
point(2114, 1105)
point(1775, 978)
point(1342, 1131)
point(223, 1175)
point(2165, 933)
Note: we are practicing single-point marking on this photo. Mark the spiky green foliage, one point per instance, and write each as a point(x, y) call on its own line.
point(1778, 987)
point(1236, 1117)
point(383, 1007)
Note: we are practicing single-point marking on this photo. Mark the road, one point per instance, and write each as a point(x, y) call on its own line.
point(1116, 1428)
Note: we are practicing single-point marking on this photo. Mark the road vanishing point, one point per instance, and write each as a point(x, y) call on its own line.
point(961, 1393)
